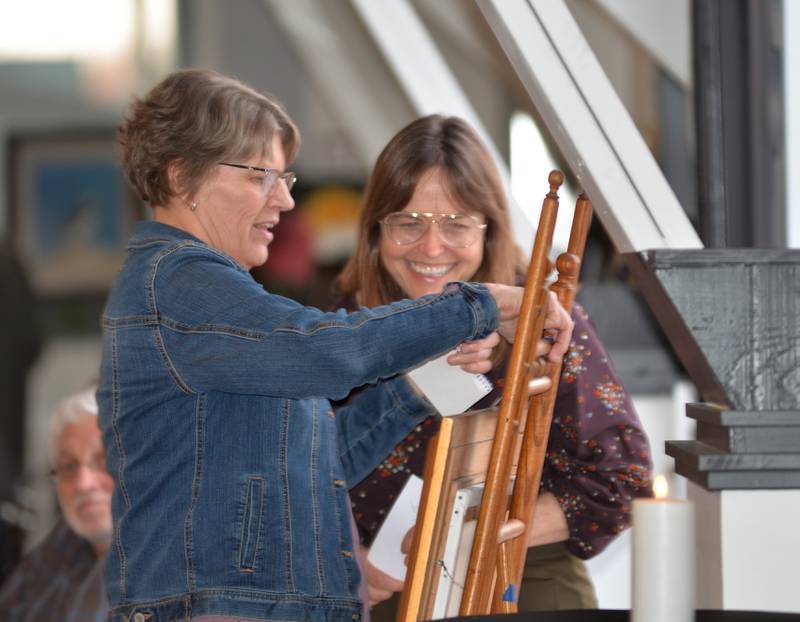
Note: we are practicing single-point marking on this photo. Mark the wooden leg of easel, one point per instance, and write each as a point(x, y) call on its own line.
point(436, 461)
point(505, 590)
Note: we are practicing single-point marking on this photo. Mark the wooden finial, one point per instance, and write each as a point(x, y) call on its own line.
point(556, 178)
point(568, 266)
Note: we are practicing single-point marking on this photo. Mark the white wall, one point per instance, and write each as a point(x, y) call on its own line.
point(747, 548)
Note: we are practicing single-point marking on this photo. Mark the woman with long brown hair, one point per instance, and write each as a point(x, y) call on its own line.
point(434, 212)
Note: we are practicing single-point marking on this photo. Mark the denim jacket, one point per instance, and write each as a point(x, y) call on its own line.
point(231, 467)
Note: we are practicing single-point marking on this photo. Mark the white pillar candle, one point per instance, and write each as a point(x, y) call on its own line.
point(663, 558)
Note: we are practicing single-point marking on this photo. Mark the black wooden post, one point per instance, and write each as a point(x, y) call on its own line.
point(739, 116)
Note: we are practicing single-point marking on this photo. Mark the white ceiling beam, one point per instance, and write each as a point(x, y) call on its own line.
point(589, 123)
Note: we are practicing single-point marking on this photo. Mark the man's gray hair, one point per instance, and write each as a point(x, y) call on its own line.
point(71, 410)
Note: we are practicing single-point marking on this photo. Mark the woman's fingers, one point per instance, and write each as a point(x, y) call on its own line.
point(475, 356)
point(557, 319)
point(405, 543)
point(543, 347)
point(380, 585)
point(509, 302)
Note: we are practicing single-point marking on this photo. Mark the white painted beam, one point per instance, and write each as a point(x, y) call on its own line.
point(593, 130)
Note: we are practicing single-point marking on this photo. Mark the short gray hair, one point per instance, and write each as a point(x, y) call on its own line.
point(198, 118)
point(71, 410)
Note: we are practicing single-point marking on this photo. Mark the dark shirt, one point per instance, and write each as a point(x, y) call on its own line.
point(597, 461)
point(60, 579)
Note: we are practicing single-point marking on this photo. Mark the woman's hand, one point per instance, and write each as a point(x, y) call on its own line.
point(509, 301)
point(474, 356)
point(380, 586)
point(557, 321)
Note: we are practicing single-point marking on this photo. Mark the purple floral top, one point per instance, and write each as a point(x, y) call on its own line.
point(597, 461)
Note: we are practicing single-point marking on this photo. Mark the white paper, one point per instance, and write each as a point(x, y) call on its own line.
point(385, 552)
point(449, 388)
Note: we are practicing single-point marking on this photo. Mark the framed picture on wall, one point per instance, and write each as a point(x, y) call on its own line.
point(70, 210)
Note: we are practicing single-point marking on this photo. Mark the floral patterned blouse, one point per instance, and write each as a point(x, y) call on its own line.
point(597, 461)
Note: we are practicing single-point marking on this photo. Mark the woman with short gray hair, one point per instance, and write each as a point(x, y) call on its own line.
point(231, 466)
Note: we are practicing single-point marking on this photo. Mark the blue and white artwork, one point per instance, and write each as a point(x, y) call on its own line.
point(78, 205)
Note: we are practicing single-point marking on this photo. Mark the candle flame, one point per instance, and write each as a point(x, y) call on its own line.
point(660, 487)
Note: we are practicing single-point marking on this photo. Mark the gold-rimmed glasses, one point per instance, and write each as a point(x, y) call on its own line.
point(456, 230)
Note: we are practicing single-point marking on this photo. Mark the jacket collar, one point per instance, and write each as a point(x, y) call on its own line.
point(151, 231)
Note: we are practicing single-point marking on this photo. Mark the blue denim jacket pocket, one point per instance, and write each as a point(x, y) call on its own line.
point(252, 507)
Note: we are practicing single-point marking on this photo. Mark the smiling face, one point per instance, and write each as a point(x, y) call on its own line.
point(233, 212)
point(83, 484)
point(425, 266)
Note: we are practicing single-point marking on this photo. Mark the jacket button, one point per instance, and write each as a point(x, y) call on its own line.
point(138, 617)
point(339, 483)
point(331, 414)
point(345, 553)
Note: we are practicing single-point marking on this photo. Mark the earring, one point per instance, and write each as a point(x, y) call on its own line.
point(193, 206)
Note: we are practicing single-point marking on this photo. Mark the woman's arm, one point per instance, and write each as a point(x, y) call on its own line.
point(549, 522)
point(598, 457)
point(373, 420)
point(220, 330)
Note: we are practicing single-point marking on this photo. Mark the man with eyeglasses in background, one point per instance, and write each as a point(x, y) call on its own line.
point(61, 578)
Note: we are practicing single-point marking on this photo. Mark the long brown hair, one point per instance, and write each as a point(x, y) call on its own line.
point(451, 145)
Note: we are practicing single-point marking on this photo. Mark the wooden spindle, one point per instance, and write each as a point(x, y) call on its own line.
point(477, 595)
point(540, 415)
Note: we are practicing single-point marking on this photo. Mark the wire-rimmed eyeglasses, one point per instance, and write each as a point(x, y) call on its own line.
point(267, 177)
point(456, 230)
point(67, 470)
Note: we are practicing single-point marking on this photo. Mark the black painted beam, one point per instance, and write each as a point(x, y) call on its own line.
point(738, 82)
point(717, 470)
point(733, 318)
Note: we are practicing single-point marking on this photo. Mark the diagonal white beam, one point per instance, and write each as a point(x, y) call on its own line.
point(590, 125)
point(428, 82)
point(343, 69)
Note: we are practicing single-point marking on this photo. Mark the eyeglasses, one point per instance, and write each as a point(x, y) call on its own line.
point(456, 230)
point(267, 177)
point(68, 470)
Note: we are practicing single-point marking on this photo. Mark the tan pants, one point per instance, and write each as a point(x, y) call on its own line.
point(553, 579)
